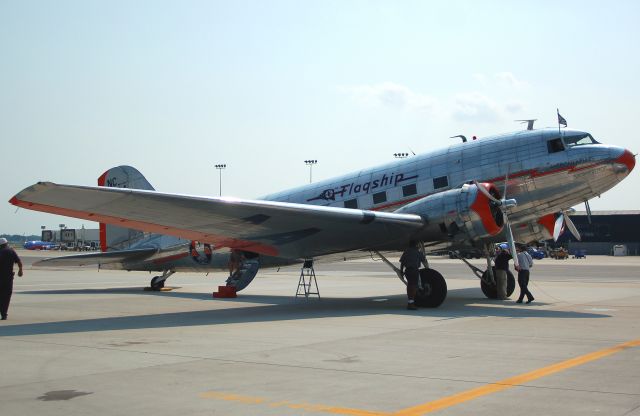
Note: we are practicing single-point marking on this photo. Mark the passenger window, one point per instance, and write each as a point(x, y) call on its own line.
point(380, 197)
point(409, 190)
point(351, 203)
point(440, 182)
point(555, 145)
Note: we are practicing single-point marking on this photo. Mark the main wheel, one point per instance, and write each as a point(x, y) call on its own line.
point(156, 283)
point(434, 289)
point(491, 291)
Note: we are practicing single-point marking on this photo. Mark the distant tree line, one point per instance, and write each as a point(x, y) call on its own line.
point(17, 238)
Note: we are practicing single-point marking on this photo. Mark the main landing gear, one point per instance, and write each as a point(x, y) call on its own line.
point(487, 279)
point(432, 288)
point(157, 282)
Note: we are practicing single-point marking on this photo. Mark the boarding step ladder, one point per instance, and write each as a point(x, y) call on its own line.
point(307, 281)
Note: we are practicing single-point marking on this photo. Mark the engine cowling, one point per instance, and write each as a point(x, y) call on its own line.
point(459, 214)
point(536, 229)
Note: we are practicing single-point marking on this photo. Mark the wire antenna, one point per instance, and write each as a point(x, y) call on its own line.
point(464, 139)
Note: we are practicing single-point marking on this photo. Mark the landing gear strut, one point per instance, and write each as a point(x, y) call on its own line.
point(487, 277)
point(432, 288)
point(157, 282)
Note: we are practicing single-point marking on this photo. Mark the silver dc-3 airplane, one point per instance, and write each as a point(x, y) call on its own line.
point(515, 187)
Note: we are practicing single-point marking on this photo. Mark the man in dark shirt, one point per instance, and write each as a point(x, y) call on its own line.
point(7, 259)
point(502, 266)
point(409, 265)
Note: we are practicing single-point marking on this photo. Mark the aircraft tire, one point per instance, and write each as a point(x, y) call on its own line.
point(434, 289)
point(156, 283)
point(490, 290)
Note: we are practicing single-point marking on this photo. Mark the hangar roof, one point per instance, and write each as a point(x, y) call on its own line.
point(621, 212)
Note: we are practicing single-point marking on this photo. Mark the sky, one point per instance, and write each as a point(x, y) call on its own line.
point(175, 87)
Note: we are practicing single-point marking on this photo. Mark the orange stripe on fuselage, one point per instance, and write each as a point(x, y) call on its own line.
point(532, 173)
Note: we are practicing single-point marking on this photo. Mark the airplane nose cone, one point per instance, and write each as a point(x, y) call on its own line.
point(628, 159)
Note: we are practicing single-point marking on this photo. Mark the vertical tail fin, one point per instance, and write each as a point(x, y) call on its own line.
point(118, 238)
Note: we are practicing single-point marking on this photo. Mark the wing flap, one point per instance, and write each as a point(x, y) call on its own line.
point(266, 227)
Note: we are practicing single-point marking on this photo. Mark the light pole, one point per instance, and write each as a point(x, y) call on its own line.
point(220, 167)
point(310, 163)
point(62, 227)
point(400, 155)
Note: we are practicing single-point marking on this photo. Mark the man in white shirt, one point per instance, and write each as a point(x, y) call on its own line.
point(526, 263)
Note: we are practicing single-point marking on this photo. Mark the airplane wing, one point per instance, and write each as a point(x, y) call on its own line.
point(86, 259)
point(272, 228)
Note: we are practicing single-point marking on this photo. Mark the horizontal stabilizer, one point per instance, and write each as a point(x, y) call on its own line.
point(109, 257)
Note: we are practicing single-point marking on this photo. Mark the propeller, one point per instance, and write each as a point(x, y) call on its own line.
point(563, 221)
point(504, 204)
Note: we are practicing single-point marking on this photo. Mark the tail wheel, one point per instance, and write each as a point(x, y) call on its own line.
point(434, 289)
point(491, 291)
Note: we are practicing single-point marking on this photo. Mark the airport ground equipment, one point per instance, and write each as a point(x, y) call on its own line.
point(307, 281)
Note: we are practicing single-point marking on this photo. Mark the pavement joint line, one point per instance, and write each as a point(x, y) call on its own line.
point(439, 404)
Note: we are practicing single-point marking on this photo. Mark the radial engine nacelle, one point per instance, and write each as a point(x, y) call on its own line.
point(459, 214)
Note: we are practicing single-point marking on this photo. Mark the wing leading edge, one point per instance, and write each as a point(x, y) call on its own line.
point(272, 228)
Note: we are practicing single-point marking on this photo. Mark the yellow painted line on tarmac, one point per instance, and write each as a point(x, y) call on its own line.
point(435, 405)
point(513, 381)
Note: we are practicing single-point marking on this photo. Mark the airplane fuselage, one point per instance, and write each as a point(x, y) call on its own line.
point(545, 173)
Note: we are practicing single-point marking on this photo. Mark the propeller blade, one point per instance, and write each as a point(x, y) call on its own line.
point(558, 227)
point(571, 226)
point(486, 193)
point(512, 244)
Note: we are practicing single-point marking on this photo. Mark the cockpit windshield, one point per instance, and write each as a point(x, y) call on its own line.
point(579, 140)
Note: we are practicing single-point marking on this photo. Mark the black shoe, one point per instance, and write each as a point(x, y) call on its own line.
point(4, 318)
point(412, 307)
point(519, 301)
point(530, 300)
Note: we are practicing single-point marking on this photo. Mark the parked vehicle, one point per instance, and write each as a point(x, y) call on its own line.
point(40, 245)
point(580, 254)
point(559, 254)
point(535, 253)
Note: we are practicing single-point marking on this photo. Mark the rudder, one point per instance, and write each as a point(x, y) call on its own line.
point(111, 236)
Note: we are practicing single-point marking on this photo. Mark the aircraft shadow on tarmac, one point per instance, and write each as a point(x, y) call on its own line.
point(460, 303)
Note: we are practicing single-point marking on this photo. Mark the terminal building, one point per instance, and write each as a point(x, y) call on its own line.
point(608, 233)
point(72, 238)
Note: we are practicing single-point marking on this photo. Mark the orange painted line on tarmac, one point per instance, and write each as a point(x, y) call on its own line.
point(513, 381)
point(307, 407)
point(435, 405)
